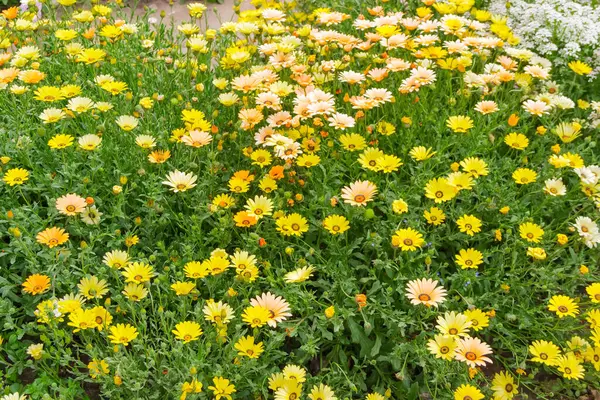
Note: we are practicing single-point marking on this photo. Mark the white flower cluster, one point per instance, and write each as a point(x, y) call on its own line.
point(563, 29)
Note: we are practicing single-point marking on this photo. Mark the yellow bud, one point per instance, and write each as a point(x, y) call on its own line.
point(330, 312)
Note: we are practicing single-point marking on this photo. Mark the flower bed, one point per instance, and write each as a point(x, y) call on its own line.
point(400, 204)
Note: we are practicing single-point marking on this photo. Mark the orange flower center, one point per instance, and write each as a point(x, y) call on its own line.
point(359, 198)
point(471, 356)
point(424, 297)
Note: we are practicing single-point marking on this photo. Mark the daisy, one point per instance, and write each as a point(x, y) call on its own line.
point(277, 306)
point(472, 351)
point(180, 181)
point(196, 139)
point(425, 291)
point(359, 193)
point(299, 275)
point(486, 107)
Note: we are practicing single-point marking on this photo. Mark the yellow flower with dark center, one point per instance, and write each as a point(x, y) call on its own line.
point(439, 190)
point(563, 306)
point(531, 232)
point(16, 176)
point(36, 284)
point(516, 140)
point(222, 388)
point(469, 258)
point(453, 324)
point(187, 331)
point(138, 272)
point(467, 392)
point(256, 316)
point(570, 367)
point(247, 348)
point(459, 123)
point(122, 334)
point(469, 224)
point(407, 239)
point(135, 292)
point(60, 141)
point(92, 287)
point(49, 94)
point(504, 386)
point(81, 319)
point(52, 237)
point(479, 319)
point(443, 346)
point(336, 224)
point(544, 352)
point(434, 216)
point(183, 288)
point(524, 176)
point(593, 291)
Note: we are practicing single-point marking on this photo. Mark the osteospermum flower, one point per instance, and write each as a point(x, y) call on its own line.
point(524, 176)
point(276, 305)
point(36, 284)
point(486, 107)
point(70, 204)
point(180, 181)
point(469, 258)
point(122, 334)
point(504, 386)
point(222, 388)
point(469, 224)
point(116, 259)
point(336, 224)
point(425, 291)
point(407, 239)
point(187, 331)
point(218, 313)
point(570, 366)
point(259, 207)
point(16, 176)
point(536, 107)
point(563, 306)
point(60, 141)
point(453, 324)
point(472, 351)
point(544, 352)
point(443, 346)
point(531, 232)
point(138, 272)
point(459, 123)
point(247, 348)
point(89, 142)
point(127, 122)
point(516, 140)
point(92, 287)
point(299, 275)
point(52, 237)
point(292, 225)
point(478, 318)
point(359, 193)
point(439, 190)
point(467, 392)
point(593, 291)
point(256, 316)
point(580, 68)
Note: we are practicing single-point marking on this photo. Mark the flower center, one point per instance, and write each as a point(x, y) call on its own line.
point(359, 198)
point(424, 297)
point(563, 309)
point(471, 356)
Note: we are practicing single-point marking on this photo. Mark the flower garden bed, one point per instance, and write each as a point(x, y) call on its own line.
point(399, 202)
